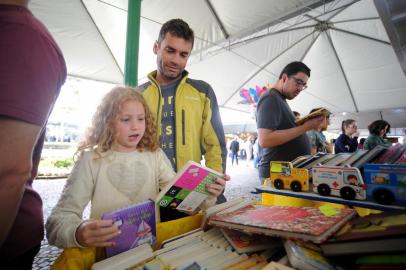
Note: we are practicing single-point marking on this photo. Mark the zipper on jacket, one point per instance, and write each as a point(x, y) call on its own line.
point(183, 128)
point(158, 120)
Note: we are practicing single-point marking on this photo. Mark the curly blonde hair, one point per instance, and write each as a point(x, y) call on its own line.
point(101, 134)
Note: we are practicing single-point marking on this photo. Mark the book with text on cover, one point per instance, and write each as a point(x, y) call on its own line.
point(187, 191)
point(305, 223)
point(137, 224)
point(319, 112)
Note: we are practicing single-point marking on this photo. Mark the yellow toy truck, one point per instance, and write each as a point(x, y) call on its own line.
point(284, 176)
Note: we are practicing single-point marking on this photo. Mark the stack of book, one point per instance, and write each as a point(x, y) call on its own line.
point(241, 234)
point(211, 250)
point(304, 223)
point(380, 236)
point(393, 155)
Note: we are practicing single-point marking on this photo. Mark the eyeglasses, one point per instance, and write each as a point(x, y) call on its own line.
point(299, 83)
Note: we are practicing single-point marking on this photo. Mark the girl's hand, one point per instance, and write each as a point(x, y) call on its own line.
point(218, 188)
point(96, 233)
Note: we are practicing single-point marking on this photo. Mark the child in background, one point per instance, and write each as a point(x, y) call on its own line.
point(347, 142)
point(377, 134)
point(120, 163)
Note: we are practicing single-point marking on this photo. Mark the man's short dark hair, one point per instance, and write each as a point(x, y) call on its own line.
point(378, 125)
point(178, 28)
point(294, 68)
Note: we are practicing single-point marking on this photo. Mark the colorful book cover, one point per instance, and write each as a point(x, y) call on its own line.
point(306, 256)
point(243, 243)
point(306, 223)
point(188, 189)
point(391, 154)
point(137, 225)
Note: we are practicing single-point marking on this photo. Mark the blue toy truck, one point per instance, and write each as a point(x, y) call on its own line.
point(386, 184)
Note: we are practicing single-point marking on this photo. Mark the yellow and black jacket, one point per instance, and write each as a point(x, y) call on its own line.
point(199, 130)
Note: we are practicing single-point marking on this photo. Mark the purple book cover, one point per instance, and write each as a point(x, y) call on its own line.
point(137, 225)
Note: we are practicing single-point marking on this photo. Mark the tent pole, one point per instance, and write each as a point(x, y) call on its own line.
point(342, 71)
point(132, 43)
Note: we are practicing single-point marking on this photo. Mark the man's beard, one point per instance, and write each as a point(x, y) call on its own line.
point(167, 75)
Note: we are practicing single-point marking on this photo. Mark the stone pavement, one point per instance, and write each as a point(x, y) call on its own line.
point(244, 179)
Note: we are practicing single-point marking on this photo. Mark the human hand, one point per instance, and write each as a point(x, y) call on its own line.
point(355, 134)
point(329, 147)
point(96, 233)
point(218, 188)
point(314, 123)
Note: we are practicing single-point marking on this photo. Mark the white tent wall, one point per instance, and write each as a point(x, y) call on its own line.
point(241, 44)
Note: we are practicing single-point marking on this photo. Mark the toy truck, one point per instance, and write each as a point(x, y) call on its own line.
point(345, 182)
point(284, 176)
point(386, 183)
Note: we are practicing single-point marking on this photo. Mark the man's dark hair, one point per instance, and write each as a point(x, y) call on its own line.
point(294, 68)
point(378, 125)
point(296, 113)
point(178, 28)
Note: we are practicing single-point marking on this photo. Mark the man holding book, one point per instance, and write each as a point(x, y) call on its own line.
point(186, 110)
point(279, 136)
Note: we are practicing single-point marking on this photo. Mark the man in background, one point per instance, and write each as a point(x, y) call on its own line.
point(32, 71)
point(279, 136)
point(234, 148)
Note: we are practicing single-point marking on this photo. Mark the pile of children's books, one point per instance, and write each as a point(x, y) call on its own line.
point(242, 234)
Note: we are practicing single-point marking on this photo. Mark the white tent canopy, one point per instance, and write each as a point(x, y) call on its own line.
point(241, 44)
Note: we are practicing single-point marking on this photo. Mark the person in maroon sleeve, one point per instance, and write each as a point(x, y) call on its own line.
point(32, 71)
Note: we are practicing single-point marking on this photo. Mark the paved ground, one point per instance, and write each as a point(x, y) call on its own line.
point(244, 179)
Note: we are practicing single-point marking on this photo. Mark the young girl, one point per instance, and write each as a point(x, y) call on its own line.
point(119, 164)
point(347, 142)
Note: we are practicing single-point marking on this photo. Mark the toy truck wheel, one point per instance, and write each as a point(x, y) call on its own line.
point(323, 190)
point(278, 183)
point(296, 186)
point(383, 196)
point(347, 193)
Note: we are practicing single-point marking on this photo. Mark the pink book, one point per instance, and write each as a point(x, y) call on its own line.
point(187, 191)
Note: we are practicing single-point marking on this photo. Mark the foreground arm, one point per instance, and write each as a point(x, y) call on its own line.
point(17, 141)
